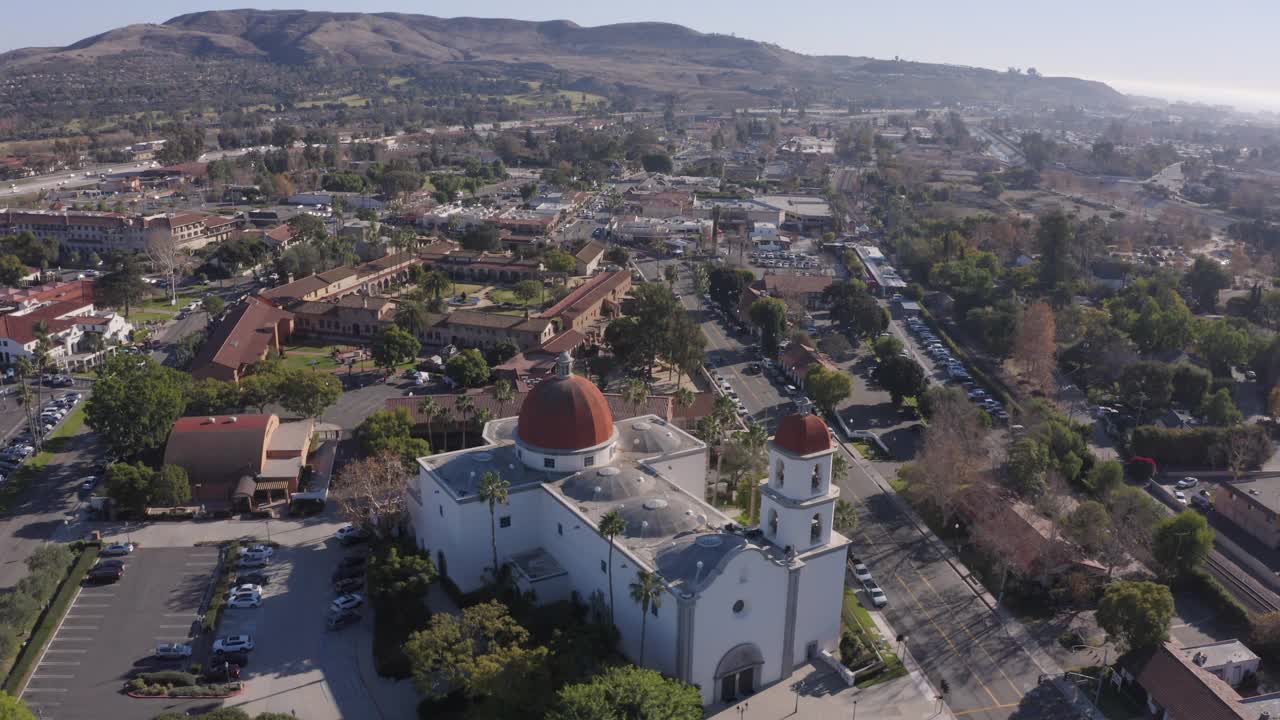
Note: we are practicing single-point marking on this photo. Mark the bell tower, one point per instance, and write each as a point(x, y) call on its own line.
point(797, 504)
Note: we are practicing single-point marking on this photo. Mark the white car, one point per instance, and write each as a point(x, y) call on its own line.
point(232, 643)
point(117, 549)
point(878, 598)
point(245, 600)
point(246, 588)
point(1180, 496)
point(254, 561)
point(350, 534)
point(350, 601)
point(1187, 482)
point(862, 573)
point(263, 550)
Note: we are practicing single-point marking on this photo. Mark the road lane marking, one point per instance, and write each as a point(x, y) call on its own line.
point(34, 689)
point(42, 676)
point(988, 708)
point(65, 651)
point(946, 637)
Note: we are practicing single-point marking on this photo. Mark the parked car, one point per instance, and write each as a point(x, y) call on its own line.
point(1180, 496)
point(878, 598)
point(353, 561)
point(345, 573)
point(351, 535)
point(342, 619)
point(254, 561)
point(89, 483)
point(1187, 482)
point(349, 584)
point(350, 601)
point(109, 564)
point(117, 549)
point(1202, 503)
point(173, 651)
point(265, 550)
point(862, 573)
point(232, 643)
point(105, 574)
point(245, 600)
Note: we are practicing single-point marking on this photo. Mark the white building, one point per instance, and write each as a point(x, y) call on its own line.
point(742, 607)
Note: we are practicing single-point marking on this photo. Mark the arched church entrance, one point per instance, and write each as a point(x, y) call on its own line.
point(738, 674)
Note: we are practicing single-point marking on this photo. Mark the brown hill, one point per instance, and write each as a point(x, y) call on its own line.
point(632, 57)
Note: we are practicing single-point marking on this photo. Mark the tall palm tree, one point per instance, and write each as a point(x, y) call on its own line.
point(503, 393)
point(646, 590)
point(430, 409)
point(437, 283)
point(846, 517)
point(412, 315)
point(754, 439)
point(611, 525)
point(481, 417)
point(635, 393)
point(683, 398)
point(464, 407)
point(494, 489)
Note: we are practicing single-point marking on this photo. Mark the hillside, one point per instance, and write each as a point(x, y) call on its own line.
point(334, 51)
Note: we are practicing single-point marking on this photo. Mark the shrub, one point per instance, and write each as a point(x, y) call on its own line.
point(136, 685)
point(18, 610)
point(170, 677)
point(1200, 446)
point(40, 585)
point(450, 706)
point(53, 557)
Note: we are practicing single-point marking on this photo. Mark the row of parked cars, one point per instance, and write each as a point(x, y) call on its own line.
point(874, 593)
point(785, 259)
point(955, 370)
point(22, 445)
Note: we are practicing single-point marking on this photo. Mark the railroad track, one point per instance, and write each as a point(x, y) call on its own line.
point(1246, 593)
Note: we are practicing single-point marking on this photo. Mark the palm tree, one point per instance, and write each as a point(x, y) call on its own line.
point(481, 417)
point(646, 590)
point(413, 317)
point(754, 439)
point(437, 283)
point(683, 398)
point(635, 393)
point(503, 393)
point(463, 407)
point(611, 525)
point(846, 517)
point(493, 490)
point(430, 409)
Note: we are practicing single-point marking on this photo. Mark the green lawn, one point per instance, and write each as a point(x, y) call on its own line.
point(503, 295)
point(303, 360)
point(142, 316)
point(468, 288)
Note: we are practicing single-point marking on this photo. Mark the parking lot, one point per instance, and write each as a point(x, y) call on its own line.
point(298, 665)
point(112, 630)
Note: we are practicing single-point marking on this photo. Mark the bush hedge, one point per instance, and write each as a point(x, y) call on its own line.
point(1227, 607)
point(226, 569)
point(41, 628)
point(1201, 446)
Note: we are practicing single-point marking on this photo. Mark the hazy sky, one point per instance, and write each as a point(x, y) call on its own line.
point(1222, 51)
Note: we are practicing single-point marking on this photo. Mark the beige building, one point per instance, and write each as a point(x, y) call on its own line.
point(1254, 505)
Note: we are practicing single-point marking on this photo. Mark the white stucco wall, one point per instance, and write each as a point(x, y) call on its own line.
point(819, 599)
point(762, 585)
point(568, 461)
point(689, 472)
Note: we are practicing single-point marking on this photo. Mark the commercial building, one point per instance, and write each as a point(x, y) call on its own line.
point(741, 607)
point(1254, 505)
point(250, 331)
point(240, 460)
point(77, 332)
point(592, 303)
point(102, 232)
point(881, 276)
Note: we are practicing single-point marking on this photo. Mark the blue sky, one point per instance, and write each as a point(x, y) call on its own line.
point(1222, 51)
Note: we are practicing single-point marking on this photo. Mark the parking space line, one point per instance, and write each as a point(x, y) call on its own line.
point(31, 690)
point(42, 676)
point(181, 614)
point(59, 663)
point(184, 626)
point(80, 627)
point(86, 617)
point(73, 639)
point(65, 651)
point(91, 605)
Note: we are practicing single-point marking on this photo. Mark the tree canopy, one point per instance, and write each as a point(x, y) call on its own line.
point(1138, 613)
point(627, 692)
point(135, 403)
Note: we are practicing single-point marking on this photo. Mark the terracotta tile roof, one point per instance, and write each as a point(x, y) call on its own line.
point(243, 337)
point(474, 318)
point(1186, 691)
point(567, 341)
point(802, 358)
point(296, 289)
point(590, 251)
point(588, 293)
point(659, 405)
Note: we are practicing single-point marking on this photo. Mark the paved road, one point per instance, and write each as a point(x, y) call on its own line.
point(69, 180)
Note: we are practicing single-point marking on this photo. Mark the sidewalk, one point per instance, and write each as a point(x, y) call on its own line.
point(814, 691)
point(1045, 663)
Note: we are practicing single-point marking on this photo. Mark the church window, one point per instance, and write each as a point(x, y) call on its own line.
point(604, 568)
point(815, 528)
point(654, 609)
point(559, 528)
point(588, 461)
point(738, 607)
point(504, 521)
point(773, 522)
point(549, 463)
point(816, 481)
point(782, 481)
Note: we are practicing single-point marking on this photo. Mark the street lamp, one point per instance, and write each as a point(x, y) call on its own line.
point(1097, 693)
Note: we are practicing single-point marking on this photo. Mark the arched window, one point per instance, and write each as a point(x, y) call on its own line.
point(781, 475)
point(773, 522)
point(815, 528)
point(816, 481)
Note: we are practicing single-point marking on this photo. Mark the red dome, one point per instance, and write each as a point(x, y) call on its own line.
point(567, 413)
point(803, 434)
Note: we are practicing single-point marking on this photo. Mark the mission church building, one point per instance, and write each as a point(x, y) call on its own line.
point(741, 607)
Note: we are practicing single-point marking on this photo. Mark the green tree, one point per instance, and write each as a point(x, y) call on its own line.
point(170, 487)
point(1220, 409)
point(12, 270)
point(1222, 344)
point(129, 486)
point(1028, 462)
point(635, 392)
point(1190, 384)
point(657, 162)
point(468, 368)
point(558, 261)
point(413, 317)
point(1088, 525)
point(262, 386)
point(627, 692)
point(122, 286)
point(1147, 386)
point(391, 430)
point(436, 283)
point(770, 315)
point(309, 393)
point(1104, 477)
point(134, 404)
point(846, 518)
point(494, 491)
point(1137, 613)
point(210, 396)
point(400, 580)
point(1181, 543)
point(611, 525)
point(1206, 278)
point(393, 345)
point(503, 393)
point(526, 290)
point(11, 708)
point(481, 238)
point(887, 347)
point(485, 653)
point(647, 590)
point(902, 377)
point(214, 305)
point(828, 388)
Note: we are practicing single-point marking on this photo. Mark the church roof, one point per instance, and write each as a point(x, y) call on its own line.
point(803, 435)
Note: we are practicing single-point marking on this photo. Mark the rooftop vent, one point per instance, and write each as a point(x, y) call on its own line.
point(655, 504)
point(608, 471)
point(483, 457)
point(213, 420)
point(709, 541)
point(231, 419)
point(641, 426)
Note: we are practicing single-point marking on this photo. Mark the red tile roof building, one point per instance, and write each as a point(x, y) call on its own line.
point(246, 335)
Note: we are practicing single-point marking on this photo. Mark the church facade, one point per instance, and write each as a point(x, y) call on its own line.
point(740, 607)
